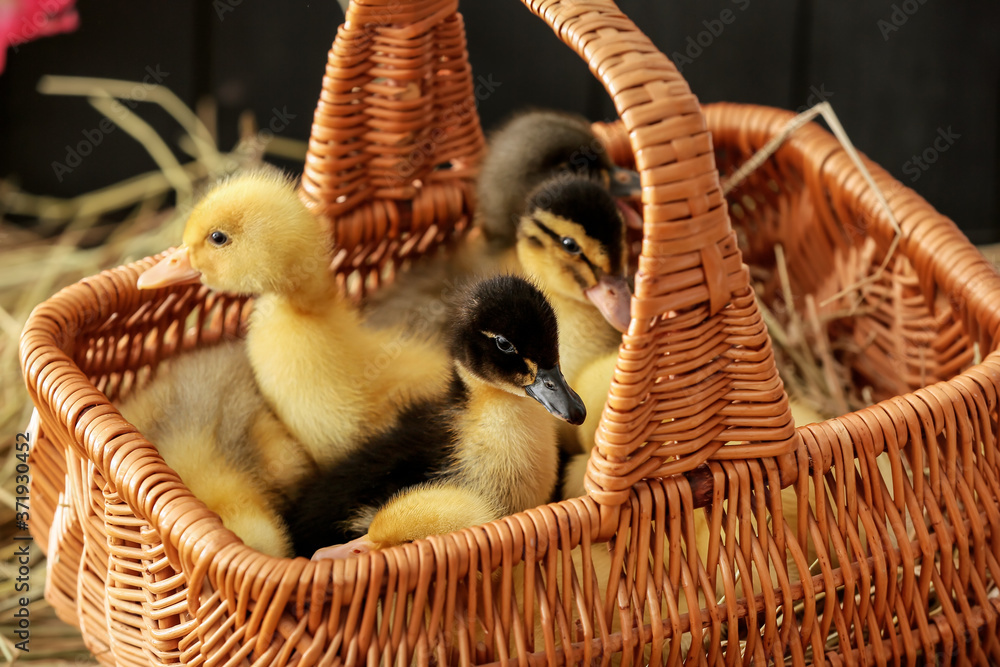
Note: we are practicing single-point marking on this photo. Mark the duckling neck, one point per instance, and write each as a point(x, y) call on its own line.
point(303, 354)
point(584, 334)
point(313, 295)
point(505, 446)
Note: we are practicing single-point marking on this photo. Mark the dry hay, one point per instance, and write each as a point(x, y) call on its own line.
point(91, 237)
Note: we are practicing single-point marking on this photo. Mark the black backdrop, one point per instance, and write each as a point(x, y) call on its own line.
point(915, 82)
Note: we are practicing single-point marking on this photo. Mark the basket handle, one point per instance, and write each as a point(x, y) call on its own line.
point(396, 139)
point(696, 378)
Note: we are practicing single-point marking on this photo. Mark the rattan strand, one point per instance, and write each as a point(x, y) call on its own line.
point(895, 566)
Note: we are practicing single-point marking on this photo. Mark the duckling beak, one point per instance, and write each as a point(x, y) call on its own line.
point(356, 547)
point(632, 218)
point(550, 389)
point(174, 269)
point(625, 183)
point(613, 298)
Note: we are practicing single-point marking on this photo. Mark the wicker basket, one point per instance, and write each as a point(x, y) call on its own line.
point(697, 425)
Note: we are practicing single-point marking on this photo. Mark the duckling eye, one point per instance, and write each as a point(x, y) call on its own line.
point(505, 345)
point(218, 239)
point(570, 245)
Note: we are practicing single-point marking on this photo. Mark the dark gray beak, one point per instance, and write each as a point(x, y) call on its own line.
point(625, 183)
point(550, 389)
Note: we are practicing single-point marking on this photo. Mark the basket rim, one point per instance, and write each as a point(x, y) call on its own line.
point(97, 419)
point(194, 543)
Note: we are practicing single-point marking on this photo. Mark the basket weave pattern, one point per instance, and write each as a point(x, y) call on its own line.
point(710, 560)
point(396, 139)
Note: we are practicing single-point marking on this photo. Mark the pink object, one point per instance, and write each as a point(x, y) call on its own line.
point(355, 547)
point(24, 20)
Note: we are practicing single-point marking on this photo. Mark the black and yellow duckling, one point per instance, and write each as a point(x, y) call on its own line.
point(529, 149)
point(571, 240)
point(484, 442)
point(332, 381)
point(210, 424)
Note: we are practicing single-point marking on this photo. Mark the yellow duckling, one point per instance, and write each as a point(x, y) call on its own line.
point(211, 425)
point(480, 453)
point(332, 381)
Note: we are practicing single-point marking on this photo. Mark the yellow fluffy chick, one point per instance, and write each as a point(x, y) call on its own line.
point(211, 425)
point(331, 380)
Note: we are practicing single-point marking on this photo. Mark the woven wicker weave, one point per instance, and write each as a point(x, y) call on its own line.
point(902, 568)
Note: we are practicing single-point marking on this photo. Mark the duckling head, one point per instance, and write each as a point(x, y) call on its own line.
point(251, 234)
point(572, 237)
point(532, 147)
point(505, 335)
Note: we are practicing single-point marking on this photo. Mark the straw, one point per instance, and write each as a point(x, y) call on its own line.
point(757, 159)
point(34, 266)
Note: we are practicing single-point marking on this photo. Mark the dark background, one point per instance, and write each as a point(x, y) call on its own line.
point(898, 74)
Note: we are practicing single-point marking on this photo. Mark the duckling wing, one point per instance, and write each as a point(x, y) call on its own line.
point(200, 412)
point(335, 505)
point(434, 508)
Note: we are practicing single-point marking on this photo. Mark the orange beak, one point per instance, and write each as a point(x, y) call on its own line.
point(632, 218)
point(174, 269)
point(361, 545)
point(612, 297)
